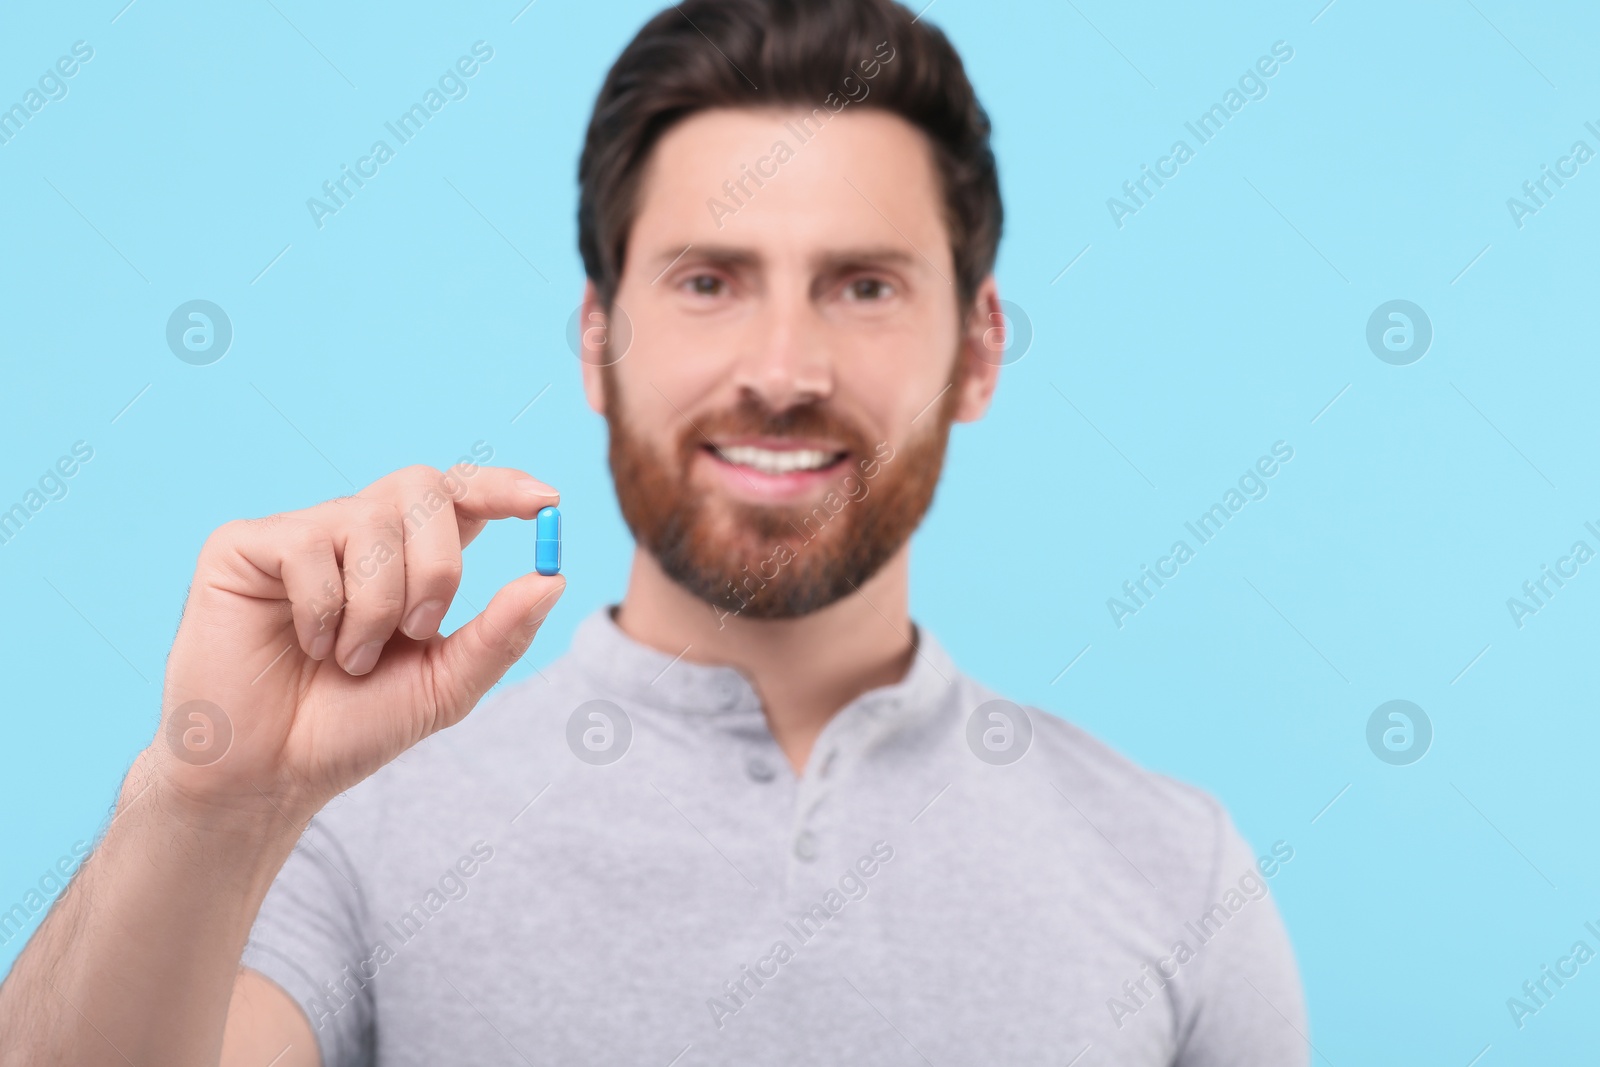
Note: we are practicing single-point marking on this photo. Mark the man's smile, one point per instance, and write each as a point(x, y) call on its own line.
point(773, 469)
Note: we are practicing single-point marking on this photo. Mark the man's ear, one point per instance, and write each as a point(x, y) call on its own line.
point(594, 351)
point(983, 348)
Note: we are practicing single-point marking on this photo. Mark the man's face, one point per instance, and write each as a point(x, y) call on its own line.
point(796, 354)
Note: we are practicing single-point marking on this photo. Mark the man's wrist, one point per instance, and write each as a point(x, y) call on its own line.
point(246, 837)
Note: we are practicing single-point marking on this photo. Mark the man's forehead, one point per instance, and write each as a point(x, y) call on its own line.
point(858, 184)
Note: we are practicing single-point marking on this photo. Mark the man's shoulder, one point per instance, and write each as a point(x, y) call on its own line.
point(1170, 832)
point(1103, 783)
point(1104, 776)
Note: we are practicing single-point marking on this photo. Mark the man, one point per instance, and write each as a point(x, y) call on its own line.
point(755, 814)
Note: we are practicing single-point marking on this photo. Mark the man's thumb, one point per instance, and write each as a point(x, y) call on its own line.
point(478, 655)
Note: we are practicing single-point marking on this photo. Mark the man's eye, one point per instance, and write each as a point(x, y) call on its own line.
point(868, 289)
point(705, 285)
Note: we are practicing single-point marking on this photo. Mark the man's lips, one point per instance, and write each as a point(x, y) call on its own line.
point(773, 469)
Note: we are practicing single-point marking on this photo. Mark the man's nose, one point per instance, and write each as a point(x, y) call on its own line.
point(787, 358)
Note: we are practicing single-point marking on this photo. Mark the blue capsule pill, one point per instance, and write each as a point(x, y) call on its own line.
point(547, 546)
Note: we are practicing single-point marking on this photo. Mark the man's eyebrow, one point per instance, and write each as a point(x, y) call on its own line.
point(723, 254)
point(875, 255)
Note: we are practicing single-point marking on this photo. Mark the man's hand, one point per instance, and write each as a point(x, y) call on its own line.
point(309, 654)
point(308, 657)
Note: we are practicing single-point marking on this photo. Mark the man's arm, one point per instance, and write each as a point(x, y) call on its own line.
point(138, 960)
point(1251, 1008)
point(308, 657)
point(263, 1016)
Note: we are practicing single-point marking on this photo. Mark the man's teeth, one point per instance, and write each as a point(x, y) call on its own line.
point(768, 461)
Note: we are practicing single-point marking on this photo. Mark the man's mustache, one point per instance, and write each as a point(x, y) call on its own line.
point(750, 418)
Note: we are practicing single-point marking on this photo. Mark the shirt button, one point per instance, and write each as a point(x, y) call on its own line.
point(759, 769)
point(727, 692)
point(805, 846)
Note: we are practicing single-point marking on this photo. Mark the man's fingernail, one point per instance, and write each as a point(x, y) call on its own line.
point(533, 485)
point(362, 659)
point(321, 645)
point(424, 619)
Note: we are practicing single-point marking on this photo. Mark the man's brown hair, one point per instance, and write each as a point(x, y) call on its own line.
point(704, 54)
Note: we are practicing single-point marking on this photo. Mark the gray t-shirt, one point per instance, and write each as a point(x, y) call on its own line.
point(612, 862)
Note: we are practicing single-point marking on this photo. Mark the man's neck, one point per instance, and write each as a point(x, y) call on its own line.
point(804, 669)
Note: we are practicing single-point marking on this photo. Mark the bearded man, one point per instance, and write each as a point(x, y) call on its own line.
point(755, 814)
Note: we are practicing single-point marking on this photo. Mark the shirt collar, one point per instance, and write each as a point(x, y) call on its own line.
point(616, 662)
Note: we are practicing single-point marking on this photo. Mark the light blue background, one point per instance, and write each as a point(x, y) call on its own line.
point(1221, 318)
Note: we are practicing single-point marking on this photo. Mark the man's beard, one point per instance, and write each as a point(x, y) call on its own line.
point(776, 561)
